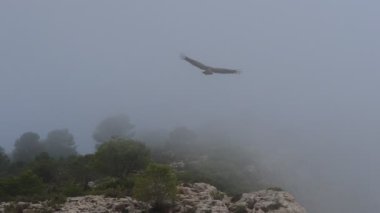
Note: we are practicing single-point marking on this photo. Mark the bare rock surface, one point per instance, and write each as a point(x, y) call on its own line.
point(100, 204)
point(267, 201)
point(199, 198)
point(87, 204)
point(192, 198)
point(24, 207)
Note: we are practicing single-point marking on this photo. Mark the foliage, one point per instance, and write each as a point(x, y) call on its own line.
point(114, 187)
point(181, 144)
point(217, 195)
point(240, 209)
point(117, 192)
point(116, 169)
point(46, 178)
point(4, 162)
point(27, 147)
point(44, 167)
point(120, 157)
point(227, 168)
point(56, 200)
point(26, 184)
point(275, 188)
point(157, 185)
point(181, 136)
point(60, 143)
point(42, 179)
point(80, 169)
point(15, 168)
point(117, 126)
point(226, 178)
point(72, 189)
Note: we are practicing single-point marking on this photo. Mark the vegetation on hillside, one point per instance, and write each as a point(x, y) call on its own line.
point(157, 185)
point(51, 168)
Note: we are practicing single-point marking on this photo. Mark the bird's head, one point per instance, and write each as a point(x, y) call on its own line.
point(183, 56)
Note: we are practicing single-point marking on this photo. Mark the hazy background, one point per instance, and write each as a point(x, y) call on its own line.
point(308, 97)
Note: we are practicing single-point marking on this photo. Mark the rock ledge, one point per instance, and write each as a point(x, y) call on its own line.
point(192, 198)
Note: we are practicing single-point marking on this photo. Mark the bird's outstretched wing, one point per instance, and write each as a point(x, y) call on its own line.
point(207, 69)
point(225, 71)
point(195, 63)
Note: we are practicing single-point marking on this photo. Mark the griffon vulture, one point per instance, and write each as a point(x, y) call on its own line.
point(209, 70)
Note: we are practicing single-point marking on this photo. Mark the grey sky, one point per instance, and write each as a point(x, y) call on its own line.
point(309, 87)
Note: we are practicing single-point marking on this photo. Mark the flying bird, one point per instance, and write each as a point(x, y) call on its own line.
point(207, 70)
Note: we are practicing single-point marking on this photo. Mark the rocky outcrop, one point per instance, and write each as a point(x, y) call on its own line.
point(192, 198)
point(90, 203)
point(267, 201)
point(200, 197)
point(100, 204)
point(25, 207)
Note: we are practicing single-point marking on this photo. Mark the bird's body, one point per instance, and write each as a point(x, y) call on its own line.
point(207, 70)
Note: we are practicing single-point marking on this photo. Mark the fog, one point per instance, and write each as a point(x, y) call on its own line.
point(307, 98)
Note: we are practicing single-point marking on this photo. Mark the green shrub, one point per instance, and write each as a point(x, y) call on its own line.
point(44, 167)
point(4, 162)
point(120, 157)
point(217, 195)
point(157, 185)
point(236, 198)
point(223, 171)
point(14, 208)
point(275, 188)
point(26, 184)
point(113, 187)
point(56, 200)
point(115, 192)
point(71, 189)
point(108, 182)
point(80, 169)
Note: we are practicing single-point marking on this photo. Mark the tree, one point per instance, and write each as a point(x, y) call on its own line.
point(27, 147)
point(45, 167)
point(117, 126)
point(156, 185)
point(25, 184)
point(182, 136)
point(4, 161)
point(80, 169)
point(119, 157)
point(181, 144)
point(60, 143)
point(232, 169)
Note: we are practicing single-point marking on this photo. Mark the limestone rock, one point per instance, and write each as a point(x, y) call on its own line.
point(267, 201)
point(100, 204)
point(191, 198)
point(200, 198)
point(24, 207)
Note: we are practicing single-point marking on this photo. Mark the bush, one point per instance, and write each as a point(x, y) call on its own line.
point(226, 168)
point(217, 195)
point(79, 169)
point(275, 188)
point(119, 157)
point(117, 192)
point(240, 209)
point(72, 189)
point(56, 200)
point(44, 167)
point(4, 162)
point(113, 187)
point(26, 184)
point(157, 185)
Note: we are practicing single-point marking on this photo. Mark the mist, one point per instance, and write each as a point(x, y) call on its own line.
point(307, 99)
